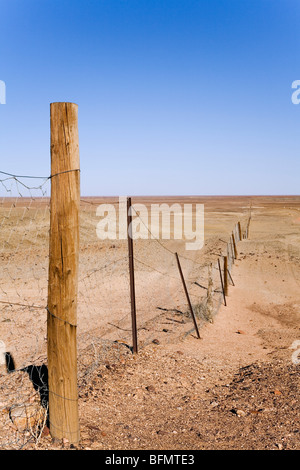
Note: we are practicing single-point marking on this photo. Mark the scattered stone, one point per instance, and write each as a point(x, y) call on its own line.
point(65, 442)
point(214, 404)
point(239, 413)
point(255, 412)
point(161, 432)
point(27, 416)
point(45, 431)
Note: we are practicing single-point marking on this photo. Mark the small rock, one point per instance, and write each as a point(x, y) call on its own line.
point(150, 388)
point(255, 412)
point(239, 413)
point(214, 404)
point(65, 442)
point(45, 431)
point(27, 416)
point(161, 432)
point(155, 341)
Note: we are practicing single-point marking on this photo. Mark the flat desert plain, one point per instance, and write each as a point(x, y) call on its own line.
point(235, 387)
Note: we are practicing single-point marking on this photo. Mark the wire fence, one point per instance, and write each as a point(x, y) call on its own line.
point(104, 303)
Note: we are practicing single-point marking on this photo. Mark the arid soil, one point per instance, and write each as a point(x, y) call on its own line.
point(237, 387)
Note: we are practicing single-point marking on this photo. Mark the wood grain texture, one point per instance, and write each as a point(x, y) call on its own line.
point(63, 272)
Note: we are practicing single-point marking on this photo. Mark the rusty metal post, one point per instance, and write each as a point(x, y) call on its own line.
point(187, 295)
point(231, 251)
point(225, 270)
point(230, 277)
point(131, 275)
point(222, 285)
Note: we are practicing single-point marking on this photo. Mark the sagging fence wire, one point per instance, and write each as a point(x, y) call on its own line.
point(202, 308)
point(104, 325)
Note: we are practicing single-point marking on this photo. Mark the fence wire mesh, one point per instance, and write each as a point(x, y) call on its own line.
point(104, 312)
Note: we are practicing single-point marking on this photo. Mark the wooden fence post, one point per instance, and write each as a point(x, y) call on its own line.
point(63, 273)
point(240, 230)
point(248, 226)
point(234, 247)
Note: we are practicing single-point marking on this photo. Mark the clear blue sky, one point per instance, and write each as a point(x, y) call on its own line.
point(175, 96)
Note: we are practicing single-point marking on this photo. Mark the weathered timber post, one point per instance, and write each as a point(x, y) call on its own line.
point(63, 273)
point(234, 247)
point(248, 227)
point(240, 230)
